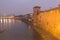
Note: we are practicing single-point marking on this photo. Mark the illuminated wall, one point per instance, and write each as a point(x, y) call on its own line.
point(50, 21)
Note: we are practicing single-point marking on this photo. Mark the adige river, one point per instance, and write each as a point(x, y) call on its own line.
point(11, 29)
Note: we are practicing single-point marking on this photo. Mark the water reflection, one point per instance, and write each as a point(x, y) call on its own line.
point(19, 21)
point(0, 20)
point(5, 24)
point(16, 30)
point(6, 20)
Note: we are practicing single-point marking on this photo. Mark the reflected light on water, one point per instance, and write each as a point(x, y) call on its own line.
point(6, 23)
point(6, 20)
point(1, 20)
point(10, 20)
point(12, 29)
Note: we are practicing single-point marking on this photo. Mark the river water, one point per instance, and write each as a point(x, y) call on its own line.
point(11, 29)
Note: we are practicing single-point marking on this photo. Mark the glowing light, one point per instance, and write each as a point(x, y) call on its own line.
point(1, 20)
point(4, 20)
point(9, 20)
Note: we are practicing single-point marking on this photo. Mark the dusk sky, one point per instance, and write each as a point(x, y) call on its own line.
point(18, 7)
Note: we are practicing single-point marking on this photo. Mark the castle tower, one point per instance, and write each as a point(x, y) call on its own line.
point(59, 5)
point(36, 10)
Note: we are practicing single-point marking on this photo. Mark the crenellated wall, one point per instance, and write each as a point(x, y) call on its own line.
point(49, 21)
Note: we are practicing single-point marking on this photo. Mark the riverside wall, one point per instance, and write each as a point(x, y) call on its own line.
point(47, 24)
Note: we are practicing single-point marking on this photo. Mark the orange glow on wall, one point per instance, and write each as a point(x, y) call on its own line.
point(49, 21)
